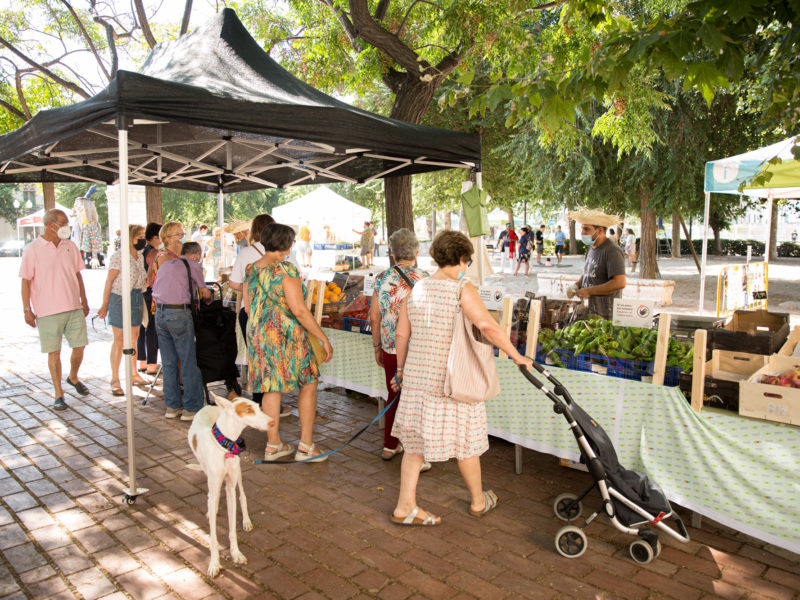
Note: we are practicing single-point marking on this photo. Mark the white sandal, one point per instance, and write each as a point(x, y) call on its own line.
point(308, 455)
point(281, 450)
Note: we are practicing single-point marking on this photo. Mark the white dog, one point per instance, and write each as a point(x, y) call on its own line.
point(214, 439)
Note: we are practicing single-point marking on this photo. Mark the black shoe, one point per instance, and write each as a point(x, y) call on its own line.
point(79, 387)
point(59, 404)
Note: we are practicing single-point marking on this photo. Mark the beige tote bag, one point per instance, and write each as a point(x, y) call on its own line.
point(471, 371)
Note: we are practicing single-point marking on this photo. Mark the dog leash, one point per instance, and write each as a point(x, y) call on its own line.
point(260, 461)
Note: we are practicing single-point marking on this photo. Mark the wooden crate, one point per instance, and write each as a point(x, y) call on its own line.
point(771, 402)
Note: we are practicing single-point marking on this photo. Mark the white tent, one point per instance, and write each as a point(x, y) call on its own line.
point(35, 218)
point(323, 207)
point(736, 174)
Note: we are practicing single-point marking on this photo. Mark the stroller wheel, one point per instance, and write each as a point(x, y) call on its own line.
point(657, 549)
point(566, 507)
point(642, 552)
point(571, 541)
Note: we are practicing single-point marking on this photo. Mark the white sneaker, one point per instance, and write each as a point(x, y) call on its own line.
point(173, 413)
point(188, 415)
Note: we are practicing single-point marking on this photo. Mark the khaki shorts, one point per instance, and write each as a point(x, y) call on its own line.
point(70, 324)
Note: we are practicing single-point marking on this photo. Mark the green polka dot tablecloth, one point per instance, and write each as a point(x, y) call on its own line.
point(740, 472)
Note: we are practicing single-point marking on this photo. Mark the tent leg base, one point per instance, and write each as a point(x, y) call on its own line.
point(130, 498)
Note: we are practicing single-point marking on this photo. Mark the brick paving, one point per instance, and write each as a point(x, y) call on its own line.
point(321, 530)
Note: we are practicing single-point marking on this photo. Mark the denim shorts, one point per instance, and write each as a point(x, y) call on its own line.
point(115, 309)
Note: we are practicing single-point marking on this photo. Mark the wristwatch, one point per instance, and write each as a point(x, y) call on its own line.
point(29, 309)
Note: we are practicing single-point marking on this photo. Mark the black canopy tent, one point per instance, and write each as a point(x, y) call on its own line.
point(212, 112)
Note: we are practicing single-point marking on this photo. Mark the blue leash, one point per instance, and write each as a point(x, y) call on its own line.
point(260, 461)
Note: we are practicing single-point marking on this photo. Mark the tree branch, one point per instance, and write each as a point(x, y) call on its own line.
point(87, 37)
point(13, 110)
point(547, 5)
point(380, 10)
point(374, 34)
point(112, 46)
point(346, 24)
point(67, 84)
point(21, 95)
point(187, 12)
point(408, 12)
point(145, 24)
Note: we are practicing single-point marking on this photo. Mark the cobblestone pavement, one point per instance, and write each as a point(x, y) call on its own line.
point(321, 530)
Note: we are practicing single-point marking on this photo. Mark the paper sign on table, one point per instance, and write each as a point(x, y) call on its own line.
point(369, 284)
point(492, 296)
point(633, 313)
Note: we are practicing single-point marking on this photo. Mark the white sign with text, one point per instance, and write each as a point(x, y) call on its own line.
point(369, 284)
point(492, 296)
point(633, 313)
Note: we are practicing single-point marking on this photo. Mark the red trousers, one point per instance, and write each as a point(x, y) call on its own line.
point(390, 367)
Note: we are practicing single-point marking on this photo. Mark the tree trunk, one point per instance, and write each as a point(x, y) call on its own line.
point(399, 210)
point(433, 223)
point(447, 219)
point(412, 99)
point(573, 240)
point(676, 235)
point(717, 240)
point(772, 241)
point(648, 244)
point(49, 192)
point(155, 212)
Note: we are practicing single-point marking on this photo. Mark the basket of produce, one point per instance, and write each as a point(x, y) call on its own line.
point(334, 301)
point(600, 346)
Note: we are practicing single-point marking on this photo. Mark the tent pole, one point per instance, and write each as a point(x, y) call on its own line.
point(220, 208)
point(706, 212)
point(768, 241)
point(125, 270)
point(481, 242)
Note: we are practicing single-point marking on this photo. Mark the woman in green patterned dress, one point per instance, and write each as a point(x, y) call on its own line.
point(280, 358)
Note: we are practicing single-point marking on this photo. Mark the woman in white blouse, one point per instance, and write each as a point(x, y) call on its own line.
point(112, 303)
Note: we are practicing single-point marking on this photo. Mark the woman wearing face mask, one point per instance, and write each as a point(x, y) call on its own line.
point(430, 425)
point(280, 358)
point(147, 344)
point(112, 303)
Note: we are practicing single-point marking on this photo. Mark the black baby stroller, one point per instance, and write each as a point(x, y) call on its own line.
point(629, 499)
point(215, 345)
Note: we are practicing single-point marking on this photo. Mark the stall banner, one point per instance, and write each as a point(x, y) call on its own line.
point(742, 287)
point(633, 313)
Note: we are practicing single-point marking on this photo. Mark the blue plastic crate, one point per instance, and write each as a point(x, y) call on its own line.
point(624, 368)
point(567, 357)
point(356, 325)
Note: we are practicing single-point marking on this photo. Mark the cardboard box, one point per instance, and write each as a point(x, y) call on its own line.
point(771, 402)
point(724, 372)
point(755, 331)
point(791, 343)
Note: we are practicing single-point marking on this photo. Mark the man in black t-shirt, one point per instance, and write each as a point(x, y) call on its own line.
point(603, 277)
point(539, 244)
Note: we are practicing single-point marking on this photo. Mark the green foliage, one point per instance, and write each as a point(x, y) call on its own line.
point(7, 210)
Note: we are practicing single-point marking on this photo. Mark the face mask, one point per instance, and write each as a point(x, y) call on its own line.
point(183, 240)
point(242, 242)
point(461, 274)
point(140, 244)
point(64, 232)
point(587, 239)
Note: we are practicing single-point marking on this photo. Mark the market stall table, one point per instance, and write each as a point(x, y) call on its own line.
point(740, 472)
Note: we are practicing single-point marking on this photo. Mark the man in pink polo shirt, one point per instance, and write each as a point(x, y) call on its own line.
point(54, 299)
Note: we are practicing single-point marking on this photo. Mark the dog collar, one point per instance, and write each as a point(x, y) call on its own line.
point(233, 448)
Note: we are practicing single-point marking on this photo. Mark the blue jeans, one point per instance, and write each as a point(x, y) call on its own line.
point(175, 331)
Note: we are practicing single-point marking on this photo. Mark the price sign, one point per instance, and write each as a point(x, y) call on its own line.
point(492, 296)
point(369, 284)
point(633, 313)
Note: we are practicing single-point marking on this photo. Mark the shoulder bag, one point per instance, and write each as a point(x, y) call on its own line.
point(194, 305)
point(471, 375)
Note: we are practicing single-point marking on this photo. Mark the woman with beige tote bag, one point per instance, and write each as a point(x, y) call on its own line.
point(430, 424)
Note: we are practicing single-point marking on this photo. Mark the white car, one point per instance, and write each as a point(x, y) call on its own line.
point(12, 248)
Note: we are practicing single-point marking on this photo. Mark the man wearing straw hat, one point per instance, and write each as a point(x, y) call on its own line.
point(603, 277)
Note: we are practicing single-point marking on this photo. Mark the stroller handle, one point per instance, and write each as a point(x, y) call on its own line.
point(558, 388)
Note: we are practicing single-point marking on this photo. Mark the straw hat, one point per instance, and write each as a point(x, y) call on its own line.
point(237, 226)
point(588, 216)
